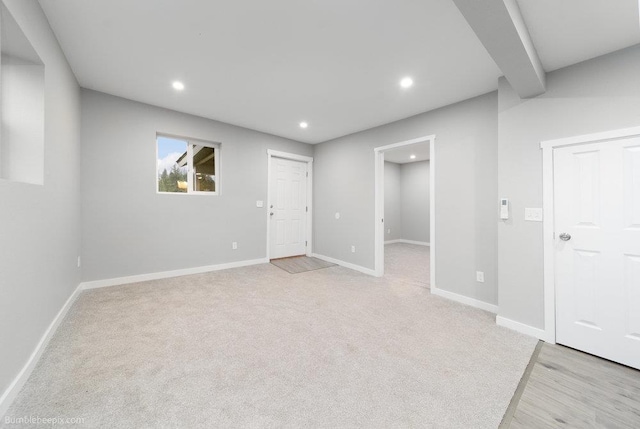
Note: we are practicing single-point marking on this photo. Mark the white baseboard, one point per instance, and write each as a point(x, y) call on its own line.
point(168, 274)
point(520, 327)
point(346, 264)
point(465, 300)
point(402, 240)
point(14, 388)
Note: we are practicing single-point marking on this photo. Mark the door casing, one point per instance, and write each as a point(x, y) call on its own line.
point(379, 205)
point(294, 157)
point(548, 216)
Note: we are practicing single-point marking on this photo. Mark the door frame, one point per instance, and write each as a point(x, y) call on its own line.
point(300, 158)
point(548, 148)
point(379, 205)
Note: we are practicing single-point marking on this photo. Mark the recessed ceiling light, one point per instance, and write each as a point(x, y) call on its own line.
point(406, 82)
point(303, 125)
point(412, 157)
point(178, 86)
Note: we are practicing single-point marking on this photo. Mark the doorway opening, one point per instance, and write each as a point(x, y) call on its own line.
point(412, 221)
point(289, 205)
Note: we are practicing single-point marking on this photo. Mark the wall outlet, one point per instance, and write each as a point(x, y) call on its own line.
point(533, 215)
point(480, 276)
point(79, 262)
point(389, 231)
point(353, 249)
point(234, 245)
point(259, 204)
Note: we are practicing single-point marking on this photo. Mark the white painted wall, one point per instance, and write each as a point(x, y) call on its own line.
point(414, 188)
point(129, 229)
point(466, 193)
point(22, 144)
point(39, 224)
point(597, 95)
point(392, 201)
point(406, 201)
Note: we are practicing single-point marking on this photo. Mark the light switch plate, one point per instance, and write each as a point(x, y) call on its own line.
point(533, 215)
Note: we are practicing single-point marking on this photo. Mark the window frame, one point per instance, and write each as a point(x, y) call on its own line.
point(191, 142)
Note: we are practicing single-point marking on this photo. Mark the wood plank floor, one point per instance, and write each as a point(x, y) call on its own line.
point(565, 388)
point(301, 264)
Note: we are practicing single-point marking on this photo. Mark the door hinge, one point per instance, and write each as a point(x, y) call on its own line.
point(305, 244)
point(306, 209)
point(307, 174)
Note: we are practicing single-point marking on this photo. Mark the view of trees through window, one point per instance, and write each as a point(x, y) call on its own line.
point(177, 159)
point(171, 177)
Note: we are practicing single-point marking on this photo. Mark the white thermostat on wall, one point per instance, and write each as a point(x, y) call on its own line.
point(504, 208)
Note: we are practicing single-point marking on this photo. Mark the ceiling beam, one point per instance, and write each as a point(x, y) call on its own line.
point(501, 29)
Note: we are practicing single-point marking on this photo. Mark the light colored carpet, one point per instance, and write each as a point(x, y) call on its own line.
point(407, 263)
point(256, 347)
point(301, 264)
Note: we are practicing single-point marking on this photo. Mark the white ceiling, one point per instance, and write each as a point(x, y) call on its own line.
point(267, 65)
point(402, 154)
point(566, 32)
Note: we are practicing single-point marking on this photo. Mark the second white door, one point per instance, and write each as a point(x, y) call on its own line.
point(597, 229)
point(288, 208)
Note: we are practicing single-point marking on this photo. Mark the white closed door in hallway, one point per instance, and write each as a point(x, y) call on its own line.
point(597, 240)
point(288, 208)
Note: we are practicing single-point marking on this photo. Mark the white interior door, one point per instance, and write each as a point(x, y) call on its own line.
point(288, 208)
point(597, 260)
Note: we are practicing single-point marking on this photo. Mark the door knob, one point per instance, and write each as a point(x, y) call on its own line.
point(271, 214)
point(565, 237)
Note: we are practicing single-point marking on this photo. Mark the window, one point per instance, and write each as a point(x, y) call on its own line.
point(187, 166)
point(21, 105)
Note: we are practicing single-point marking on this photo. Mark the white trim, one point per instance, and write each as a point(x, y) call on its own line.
point(482, 305)
point(548, 240)
point(169, 274)
point(293, 157)
point(190, 167)
point(404, 143)
point(521, 327)
point(18, 382)
point(402, 240)
point(287, 155)
point(379, 203)
point(14, 388)
point(589, 138)
point(345, 264)
point(432, 213)
point(549, 213)
point(379, 227)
